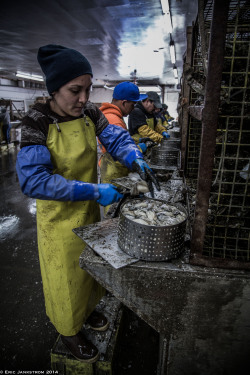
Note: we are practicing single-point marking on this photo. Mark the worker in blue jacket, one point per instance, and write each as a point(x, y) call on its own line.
point(57, 165)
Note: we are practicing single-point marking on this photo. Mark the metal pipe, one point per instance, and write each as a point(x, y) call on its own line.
point(209, 123)
point(186, 95)
point(163, 353)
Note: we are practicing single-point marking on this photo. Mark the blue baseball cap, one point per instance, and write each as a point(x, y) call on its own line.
point(128, 91)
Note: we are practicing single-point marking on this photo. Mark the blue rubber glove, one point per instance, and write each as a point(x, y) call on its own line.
point(165, 135)
point(148, 142)
point(108, 194)
point(146, 173)
point(143, 147)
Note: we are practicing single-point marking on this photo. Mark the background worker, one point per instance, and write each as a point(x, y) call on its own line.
point(160, 117)
point(125, 95)
point(142, 121)
point(5, 119)
point(166, 113)
point(57, 165)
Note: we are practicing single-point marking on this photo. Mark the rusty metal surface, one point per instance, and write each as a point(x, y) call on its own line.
point(184, 100)
point(226, 240)
point(196, 111)
point(154, 290)
point(102, 238)
point(209, 123)
point(202, 260)
point(172, 298)
point(201, 6)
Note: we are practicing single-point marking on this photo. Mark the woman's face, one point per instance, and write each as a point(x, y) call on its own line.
point(72, 97)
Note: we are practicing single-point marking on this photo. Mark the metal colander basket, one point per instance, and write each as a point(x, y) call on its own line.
point(151, 243)
point(169, 143)
point(174, 133)
point(164, 157)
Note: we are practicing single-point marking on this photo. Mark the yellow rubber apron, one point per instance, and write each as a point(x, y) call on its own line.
point(161, 123)
point(111, 169)
point(70, 293)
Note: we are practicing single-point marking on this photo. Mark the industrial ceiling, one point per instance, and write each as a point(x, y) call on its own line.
point(122, 39)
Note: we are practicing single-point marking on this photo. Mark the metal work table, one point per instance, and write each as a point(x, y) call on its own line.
point(202, 314)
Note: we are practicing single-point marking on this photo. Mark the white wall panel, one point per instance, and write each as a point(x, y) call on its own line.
point(171, 99)
point(101, 95)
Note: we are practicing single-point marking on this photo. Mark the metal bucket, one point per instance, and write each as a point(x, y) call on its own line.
point(164, 157)
point(151, 243)
point(170, 144)
point(174, 133)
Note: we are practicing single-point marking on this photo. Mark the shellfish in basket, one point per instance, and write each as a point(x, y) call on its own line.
point(150, 229)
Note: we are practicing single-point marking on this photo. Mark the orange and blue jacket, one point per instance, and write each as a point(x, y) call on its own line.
point(114, 117)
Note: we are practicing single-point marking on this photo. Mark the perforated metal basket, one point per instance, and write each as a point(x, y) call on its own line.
point(151, 243)
point(169, 143)
point(174, 133)
point(164, 157)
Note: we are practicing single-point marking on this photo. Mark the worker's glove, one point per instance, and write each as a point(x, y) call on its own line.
point(143, 147)
point(148, 142)
point(108, 194)
point(96, 116)
point(165, 135)
point(146, 173)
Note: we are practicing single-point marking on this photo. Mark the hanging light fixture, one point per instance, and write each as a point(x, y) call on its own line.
point(34, 77)
point(167, 21)
point(175, 72)
point(165, 6)
point(172, 51)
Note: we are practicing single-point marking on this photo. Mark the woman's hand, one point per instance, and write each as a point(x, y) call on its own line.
point(108, 194)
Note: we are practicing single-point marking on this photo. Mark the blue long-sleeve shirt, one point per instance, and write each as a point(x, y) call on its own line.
point(34, 166)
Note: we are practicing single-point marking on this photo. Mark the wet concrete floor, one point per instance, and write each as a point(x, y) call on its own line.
point(27, 336)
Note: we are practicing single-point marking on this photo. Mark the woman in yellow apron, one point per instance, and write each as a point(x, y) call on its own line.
point(57, 165)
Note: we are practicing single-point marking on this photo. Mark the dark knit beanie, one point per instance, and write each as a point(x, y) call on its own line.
point(61, 64)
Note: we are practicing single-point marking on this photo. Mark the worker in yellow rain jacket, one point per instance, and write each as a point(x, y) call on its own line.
point(57, 165)
point(142, 121)
point(160, 118)
point(166, 113)
point(125, 95)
